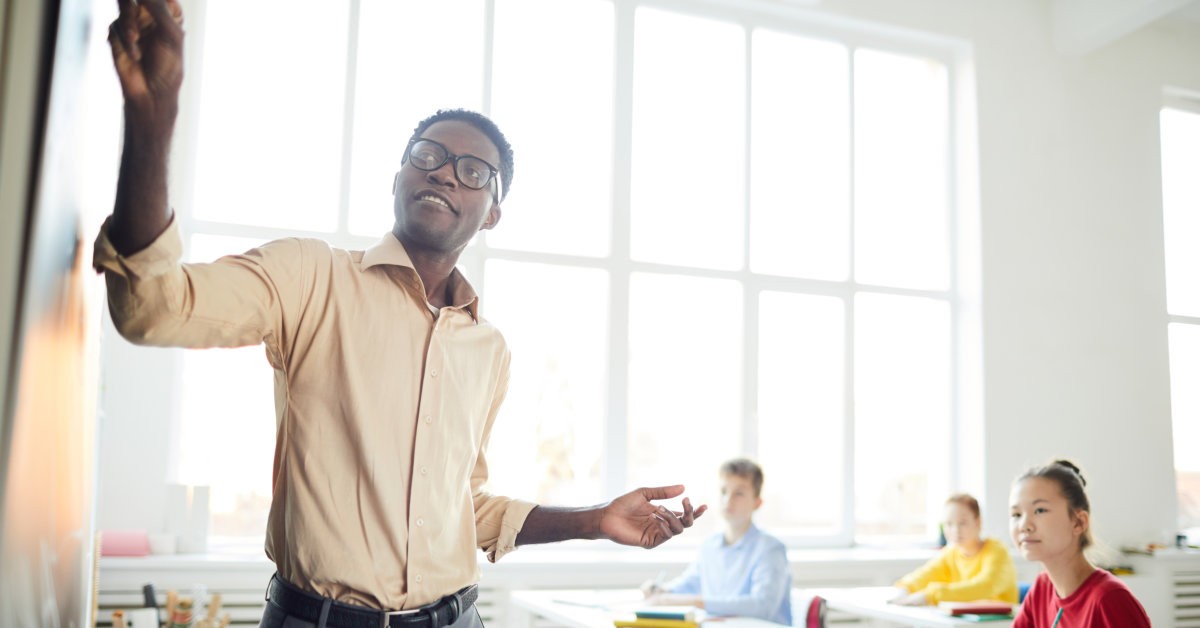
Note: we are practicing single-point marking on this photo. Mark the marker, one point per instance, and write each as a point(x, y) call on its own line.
point(150, 600)
point(1056, 618)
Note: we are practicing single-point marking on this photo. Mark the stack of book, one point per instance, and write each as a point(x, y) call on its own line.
point(985, 610)
point(662, 617)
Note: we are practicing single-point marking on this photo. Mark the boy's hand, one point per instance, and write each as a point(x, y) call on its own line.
point(650, 588)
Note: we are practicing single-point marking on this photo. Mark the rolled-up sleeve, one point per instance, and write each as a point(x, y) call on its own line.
point(498, 521)
point(239, 300)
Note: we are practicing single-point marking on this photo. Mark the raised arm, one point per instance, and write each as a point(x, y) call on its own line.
point(631, 519)
point(147, 48)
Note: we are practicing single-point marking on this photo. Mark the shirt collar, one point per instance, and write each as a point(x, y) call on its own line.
point(390, 252)
point(747, 538)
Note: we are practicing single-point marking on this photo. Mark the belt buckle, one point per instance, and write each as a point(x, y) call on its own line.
point(385, 617)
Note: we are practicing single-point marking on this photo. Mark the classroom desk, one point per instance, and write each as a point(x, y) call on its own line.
point(585, 608)
point(872, 602)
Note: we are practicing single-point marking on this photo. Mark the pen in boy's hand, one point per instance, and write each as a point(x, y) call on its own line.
point(659, 581)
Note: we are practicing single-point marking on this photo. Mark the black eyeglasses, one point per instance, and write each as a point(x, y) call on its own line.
point(470, 170)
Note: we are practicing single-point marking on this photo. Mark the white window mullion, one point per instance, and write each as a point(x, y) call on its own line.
point(846, 530)
point(474, 257)
point(955, 433)
point(489, 42)
point(750, 292)
point(616, 432)
point(183, 150)
point(343, 209)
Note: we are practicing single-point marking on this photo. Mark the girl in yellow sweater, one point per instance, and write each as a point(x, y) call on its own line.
point(969, 568)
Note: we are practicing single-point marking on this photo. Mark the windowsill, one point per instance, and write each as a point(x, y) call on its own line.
point(584, 553)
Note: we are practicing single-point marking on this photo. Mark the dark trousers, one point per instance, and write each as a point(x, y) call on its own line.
point(283, 599)
point(275, 617)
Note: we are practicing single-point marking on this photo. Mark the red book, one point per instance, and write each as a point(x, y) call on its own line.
point(983, 607)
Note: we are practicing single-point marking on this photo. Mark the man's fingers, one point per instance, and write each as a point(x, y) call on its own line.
point(664, 532)
point(687, 518)
point(120, 55)
point(127, 26)
point(672, 520)
point(662, 492)
point(163, 18)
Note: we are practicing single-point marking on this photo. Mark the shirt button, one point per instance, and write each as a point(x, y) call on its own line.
point(417, 577)
point(428, 420)
point(433, 372)
point(424, 470)
point(420, 522)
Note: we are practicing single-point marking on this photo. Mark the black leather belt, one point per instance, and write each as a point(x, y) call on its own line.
point(310, 607)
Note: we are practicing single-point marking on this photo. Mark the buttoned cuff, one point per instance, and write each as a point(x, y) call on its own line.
point(514, 519)
point(158, 258)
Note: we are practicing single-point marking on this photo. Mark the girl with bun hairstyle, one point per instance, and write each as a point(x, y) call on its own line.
point(1050, 524)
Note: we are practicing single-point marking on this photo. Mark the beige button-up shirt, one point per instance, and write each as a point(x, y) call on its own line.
point(383, 405)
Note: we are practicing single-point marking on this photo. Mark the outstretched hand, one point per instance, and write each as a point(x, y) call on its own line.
point(632, 519)
point(147, 48)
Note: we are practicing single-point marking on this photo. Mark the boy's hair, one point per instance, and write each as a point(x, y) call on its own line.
point(965, 500)
point(485, 125)
point(747, 469)
point(1070, 482)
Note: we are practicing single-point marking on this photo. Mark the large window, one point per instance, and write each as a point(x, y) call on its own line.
point(729, 234)
point(1181, 227)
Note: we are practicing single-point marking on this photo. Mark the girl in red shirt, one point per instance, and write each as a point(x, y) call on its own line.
point(1050, 524)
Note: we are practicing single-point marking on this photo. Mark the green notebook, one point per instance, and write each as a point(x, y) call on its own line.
point(978, 617)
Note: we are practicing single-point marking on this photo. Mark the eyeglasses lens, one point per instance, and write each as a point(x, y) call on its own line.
point(471, 172)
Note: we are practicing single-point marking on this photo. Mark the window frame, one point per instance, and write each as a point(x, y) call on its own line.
point(964, 438)
point(1186, 101)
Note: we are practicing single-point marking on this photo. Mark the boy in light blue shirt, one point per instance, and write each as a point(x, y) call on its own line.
point(741, 571)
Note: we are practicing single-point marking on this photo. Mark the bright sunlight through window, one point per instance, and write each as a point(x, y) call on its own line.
point(724, 238)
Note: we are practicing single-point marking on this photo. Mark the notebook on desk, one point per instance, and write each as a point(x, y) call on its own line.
point(981, 618)
point(982, 607)
point(679, 613)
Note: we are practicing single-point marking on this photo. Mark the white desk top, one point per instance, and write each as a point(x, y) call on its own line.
point(586, 608)
point(872, 602)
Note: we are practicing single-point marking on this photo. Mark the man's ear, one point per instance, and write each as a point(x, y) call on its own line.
point(395, 182)
point(493, 217)
point(758, 502)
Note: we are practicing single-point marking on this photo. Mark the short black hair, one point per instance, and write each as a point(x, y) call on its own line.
point(485, 126)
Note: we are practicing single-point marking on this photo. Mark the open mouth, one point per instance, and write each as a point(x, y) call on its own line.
point(429, 197)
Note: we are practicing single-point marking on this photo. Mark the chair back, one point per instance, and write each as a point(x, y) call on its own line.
point(811, 608)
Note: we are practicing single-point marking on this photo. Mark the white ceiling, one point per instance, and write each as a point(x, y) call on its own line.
point(1082, 26)
point(1190, 13)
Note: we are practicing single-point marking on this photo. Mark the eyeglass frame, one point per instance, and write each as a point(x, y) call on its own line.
point(494, 172)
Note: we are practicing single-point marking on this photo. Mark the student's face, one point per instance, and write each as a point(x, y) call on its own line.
point(1042, 524)
point(434, 211)
point(738, 501)
point(960, 525)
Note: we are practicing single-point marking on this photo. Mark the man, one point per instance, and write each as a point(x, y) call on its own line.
point(387, 381)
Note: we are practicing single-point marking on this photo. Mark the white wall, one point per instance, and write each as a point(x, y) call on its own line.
point(1075, 360)
point(1074, 332)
